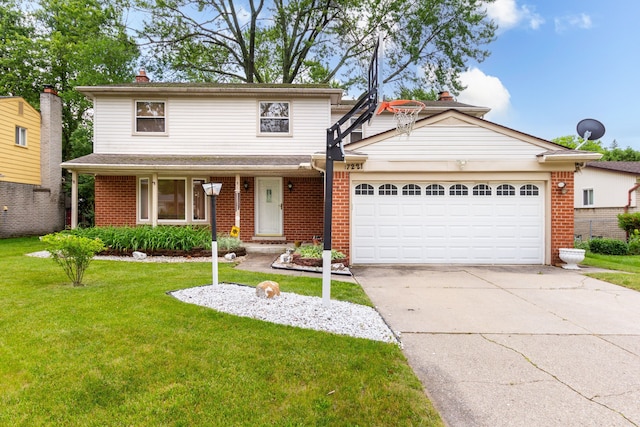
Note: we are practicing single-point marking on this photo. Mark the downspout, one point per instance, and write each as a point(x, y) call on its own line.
point(634, 188)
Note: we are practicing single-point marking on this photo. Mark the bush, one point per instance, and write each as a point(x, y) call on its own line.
point(227, 242)
point(608, 247)
point(73, 253)
point(148, 238)
point(629, 222)
point(581, 244)
point(315, 251)
point(634, 242)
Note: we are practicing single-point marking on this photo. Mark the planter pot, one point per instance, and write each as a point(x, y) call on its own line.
point(571, 257)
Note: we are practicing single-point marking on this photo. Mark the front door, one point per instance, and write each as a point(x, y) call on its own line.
point(269, 206)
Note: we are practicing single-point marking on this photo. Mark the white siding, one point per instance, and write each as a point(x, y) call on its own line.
point(610, 189)
point(451, 142)
point(211, 126)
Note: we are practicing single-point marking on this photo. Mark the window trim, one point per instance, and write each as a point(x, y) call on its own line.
point(359, 130)
point(193, 220)
point(21, 136)
point(139, 218)
point(165, 117)
point(588, 197)
point(289, 118)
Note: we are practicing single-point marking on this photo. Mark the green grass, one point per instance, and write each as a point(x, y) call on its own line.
point(627, 265)
point(120, 351)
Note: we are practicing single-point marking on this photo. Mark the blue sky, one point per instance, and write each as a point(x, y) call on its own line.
point(556, 62)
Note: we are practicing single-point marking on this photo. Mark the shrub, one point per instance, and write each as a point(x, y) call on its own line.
point(581, 244)
point(148, 238)
point(608, 247)
point(227, 242)
point(73, 253)
point(629, 222)
point(634, 242)
point(315, 251)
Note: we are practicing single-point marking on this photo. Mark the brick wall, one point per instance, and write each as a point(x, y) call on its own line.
point(31, 210)
point(115, 200)
point(341, 214)
point(599, 222)
point(303, 208)
point(562, 214)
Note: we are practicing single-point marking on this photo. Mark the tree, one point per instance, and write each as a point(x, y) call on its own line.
point(614, 154)
point(86, 44)
point(314, 41)
point(573, 141)
point(19, 54)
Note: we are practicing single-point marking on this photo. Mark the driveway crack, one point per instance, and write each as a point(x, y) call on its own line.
point(532, 363)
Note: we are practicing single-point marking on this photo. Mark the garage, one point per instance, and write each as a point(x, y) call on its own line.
point(422, 222)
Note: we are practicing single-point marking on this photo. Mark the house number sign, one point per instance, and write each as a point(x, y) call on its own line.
point(354, 166)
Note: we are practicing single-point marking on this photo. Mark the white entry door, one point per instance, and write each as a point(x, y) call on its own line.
point(269, 206)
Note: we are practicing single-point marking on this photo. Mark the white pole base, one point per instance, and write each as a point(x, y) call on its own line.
point(214, 262)
point(326, 277)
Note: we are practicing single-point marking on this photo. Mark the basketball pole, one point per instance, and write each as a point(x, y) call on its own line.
point(364, 109)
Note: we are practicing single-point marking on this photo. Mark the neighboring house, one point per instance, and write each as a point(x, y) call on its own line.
point(604, 190)
point(31, 199)
point(459, 189)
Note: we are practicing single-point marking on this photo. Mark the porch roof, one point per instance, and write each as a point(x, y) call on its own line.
point(131, 164)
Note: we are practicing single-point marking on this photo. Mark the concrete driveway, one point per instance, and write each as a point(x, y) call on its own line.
point(515, 346)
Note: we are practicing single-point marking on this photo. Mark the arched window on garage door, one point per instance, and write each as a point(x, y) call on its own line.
point(388, 190)
point(458, 190)
point(364, 190)
point(434, 190)
point(505, 190)
point(529, 190)
point(411, 190)
point(481, 190)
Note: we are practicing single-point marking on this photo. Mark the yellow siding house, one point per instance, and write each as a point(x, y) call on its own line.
point(19, 141)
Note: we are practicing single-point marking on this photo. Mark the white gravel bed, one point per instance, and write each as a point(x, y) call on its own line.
point(340, 317)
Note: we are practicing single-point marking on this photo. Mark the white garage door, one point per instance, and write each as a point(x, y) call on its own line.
point(464, 223)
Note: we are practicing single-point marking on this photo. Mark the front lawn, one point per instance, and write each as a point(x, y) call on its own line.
point(120, 351)
point(627, 265)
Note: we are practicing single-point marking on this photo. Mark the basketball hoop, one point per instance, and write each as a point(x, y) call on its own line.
point(405, 112)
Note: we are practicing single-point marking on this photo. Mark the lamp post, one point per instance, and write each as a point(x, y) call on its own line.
point(212, 190)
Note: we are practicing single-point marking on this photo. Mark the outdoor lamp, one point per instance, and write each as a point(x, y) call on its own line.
point(213, 189)
point(290, 186)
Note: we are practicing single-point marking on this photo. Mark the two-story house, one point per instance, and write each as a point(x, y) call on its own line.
point(458, 189)
point(31, 200)
point(604, 190)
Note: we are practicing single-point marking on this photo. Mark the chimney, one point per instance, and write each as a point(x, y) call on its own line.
point(51, 151)
point(444, 96)
point(142, 76)
point(50, 89)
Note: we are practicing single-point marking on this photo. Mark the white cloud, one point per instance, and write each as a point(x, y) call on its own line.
point(485, 91)
point(581, 21)
point(507, 14)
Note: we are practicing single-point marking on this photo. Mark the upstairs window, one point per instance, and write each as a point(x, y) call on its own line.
point(274, 117)
point(356, 133)
point(150, 117)
point(587, 197)
point(21, 136)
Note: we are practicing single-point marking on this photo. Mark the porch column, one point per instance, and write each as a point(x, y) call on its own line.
point(74, 199)
point(154, 200)
point(237, 201)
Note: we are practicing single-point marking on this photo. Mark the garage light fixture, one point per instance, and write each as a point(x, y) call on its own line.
point(562, 186)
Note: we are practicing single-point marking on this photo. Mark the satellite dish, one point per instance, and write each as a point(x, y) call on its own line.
point(590, 129)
